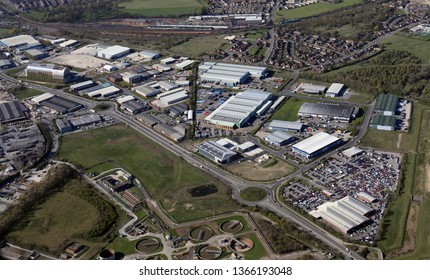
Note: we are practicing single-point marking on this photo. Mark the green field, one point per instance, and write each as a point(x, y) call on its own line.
point(253, 194)
point(62, 218)
point(313, 9)
point(418, 47)
point(386, 140)
point(39, 16)
point(26, 93)
point(165, 176)
point(4, 32)
point(198, 46)
point(258, 251)
point(154, 8)
point(290, 109)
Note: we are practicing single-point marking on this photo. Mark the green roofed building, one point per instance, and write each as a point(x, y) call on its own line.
point(386, 105)
point(382, 122)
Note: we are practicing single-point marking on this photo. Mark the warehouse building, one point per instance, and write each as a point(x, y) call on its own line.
point(171, 97)
point(238, 109)
point(168, 60)
point(133, 107)
point(149, 54)
point(146, 91)
point(47, 73)
point(330, 111)
point(11, 111)
point(245, 147)
point(184, 64)
point(312, 89)
point(80, 86)
point(229, 74)
point(383, 122)
point(278, 125)
point(148, 120)
point(35, 54)
point(85, 120)
point(94, 88)
point(345, 214)
point(316, 145)
point(131, 77)
point(216, 152)
point(69, 43)
point(6, 64)
point(386, 105)
point(125, 98)
point(113, 52)
point(352, 152)
point(335, 90)
point(166, 85)
point(63, 125)
point(60, 104)
point(279, 138)
point(23, 42)
point(175, 133)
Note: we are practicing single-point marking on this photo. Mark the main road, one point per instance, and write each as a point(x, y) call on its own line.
point(237, 184)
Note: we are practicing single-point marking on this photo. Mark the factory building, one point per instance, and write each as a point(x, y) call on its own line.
point(146, 91)
point(383, 122)
point(166, 85)
point(330, 111)
point(171, 97)
point(345, 214)
point(279, 138)
point(316, 145)
point(149, 54)
point(229, 74)
point(238, 109)
point(278, 125)
point(184, 64)
point(104, 90)
point(216, 152)
point(11, 111)
point(63, 125)
point(312, 89)
point(133, 107)
point(386, 105)
point(23, 42)
point(47, 73)
point(245, 147)
point(113, 52)
point(335, 90)
point(352, 152)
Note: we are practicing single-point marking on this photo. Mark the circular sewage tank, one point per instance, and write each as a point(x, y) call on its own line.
point(210, 252)
point(147, 245)
point(233, 226)
point(107, 254)
point(242, 244)
point(200, 233)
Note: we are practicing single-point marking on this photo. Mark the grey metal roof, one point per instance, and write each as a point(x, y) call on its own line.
point(278, 124)
point(85, 120)
point(61, 104)
point(216, 150)
point(329, 110)
point(278, 137)
point(12, 110)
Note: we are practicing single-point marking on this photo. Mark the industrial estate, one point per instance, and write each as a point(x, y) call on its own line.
point(254, 135)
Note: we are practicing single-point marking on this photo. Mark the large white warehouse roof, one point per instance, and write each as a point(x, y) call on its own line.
point(19, 41)
point(315, 143)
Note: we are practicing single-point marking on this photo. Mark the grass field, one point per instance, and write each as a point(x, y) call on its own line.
point(253, 194)
point(4, 32)
point(154, 8)
point(386, 140)
point(29, 92)
point(258, 251)
point(256, 172)
point(313, 9)
point(198, 46)
point(418, 47)
point(62, 218)
point(39, 16)
point(165, 176)
point(288, 111)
